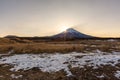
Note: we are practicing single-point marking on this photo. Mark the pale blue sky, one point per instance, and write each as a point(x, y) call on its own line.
point(47, 17)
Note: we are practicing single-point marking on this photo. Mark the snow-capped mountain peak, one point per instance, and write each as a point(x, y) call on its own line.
point(70, 30)
point(71, 34)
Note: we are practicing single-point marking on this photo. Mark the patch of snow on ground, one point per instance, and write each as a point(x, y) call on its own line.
point(57, 62)
point(116, 53)
point(102, 76)
point(111, 40)
point(7, 53)
point(117, 74)
point(1, 76)
point(15, 77)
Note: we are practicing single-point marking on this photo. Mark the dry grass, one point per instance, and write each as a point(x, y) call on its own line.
point(6, 41)
point(40, 48)
point(63, 47)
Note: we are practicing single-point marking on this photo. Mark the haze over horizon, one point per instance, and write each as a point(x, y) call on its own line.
point(48, 17)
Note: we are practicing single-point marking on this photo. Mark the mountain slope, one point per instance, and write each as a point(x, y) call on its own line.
point(71, 34)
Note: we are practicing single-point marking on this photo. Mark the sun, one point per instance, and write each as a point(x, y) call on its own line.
point(64, 28)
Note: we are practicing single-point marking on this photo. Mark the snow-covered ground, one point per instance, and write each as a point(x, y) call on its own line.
point(117, 74)
point(57, 62)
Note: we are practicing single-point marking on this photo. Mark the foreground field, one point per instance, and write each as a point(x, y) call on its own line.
point(70, 66)
point(59, 60)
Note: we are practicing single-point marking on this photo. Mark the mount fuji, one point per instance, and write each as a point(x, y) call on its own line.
point(71, 34)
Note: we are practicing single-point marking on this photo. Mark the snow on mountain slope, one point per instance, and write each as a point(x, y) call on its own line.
point(71, 34)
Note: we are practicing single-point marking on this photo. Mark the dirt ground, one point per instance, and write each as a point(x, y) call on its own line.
point(86, 73)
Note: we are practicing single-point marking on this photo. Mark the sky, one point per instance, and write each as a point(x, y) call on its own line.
point(48, 17)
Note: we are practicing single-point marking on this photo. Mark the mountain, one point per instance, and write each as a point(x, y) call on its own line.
point(71, 34)
point(11, 36)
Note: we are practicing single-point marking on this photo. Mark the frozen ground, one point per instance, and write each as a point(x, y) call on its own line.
point(57, 62)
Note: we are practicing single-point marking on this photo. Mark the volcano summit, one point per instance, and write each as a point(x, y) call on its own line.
point(71, 34)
